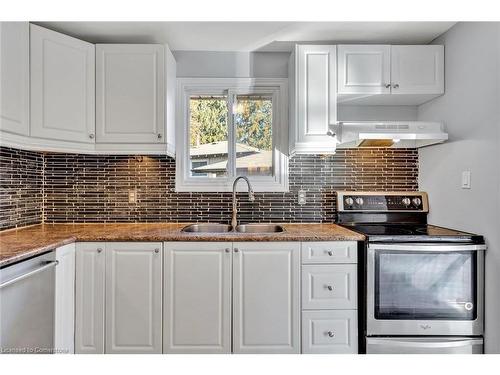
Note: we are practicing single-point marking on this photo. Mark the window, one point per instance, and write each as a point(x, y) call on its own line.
point(231, 127)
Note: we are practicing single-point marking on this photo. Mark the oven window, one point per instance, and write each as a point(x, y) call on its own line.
point(425, 285)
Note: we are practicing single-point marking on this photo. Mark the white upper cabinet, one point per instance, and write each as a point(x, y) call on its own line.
point(130, 97)
point(62, 86)
point(133, 297)
point(197, 303)
point(417, 69)
point(313, 99)
point(14, 77)
point(364, 69)
point(266, 292)
point(389, 75)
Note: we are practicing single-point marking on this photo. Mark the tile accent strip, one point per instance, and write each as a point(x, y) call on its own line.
point(70, 188)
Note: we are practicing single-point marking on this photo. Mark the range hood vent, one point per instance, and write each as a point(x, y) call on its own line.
point(394, 134)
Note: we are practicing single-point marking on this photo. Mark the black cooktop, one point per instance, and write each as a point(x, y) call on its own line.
point(383, 232)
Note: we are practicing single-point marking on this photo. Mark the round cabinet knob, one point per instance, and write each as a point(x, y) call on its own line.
point(330, 253)
point(417, 201)
point(99, 250)
point(406, 201)
point(359, 201)
point(227, 250)
point(159, 136)
point(387, 85)
point(349, 201)
point(91, 136)
point(330, 334)
point(236, 250)
point(157, 251)
point(396, 86)
point(329, 287)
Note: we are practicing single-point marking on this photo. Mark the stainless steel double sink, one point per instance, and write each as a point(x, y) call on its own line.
point(225, 228)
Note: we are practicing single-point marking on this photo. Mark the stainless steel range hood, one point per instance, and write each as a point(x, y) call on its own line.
point(394, 134)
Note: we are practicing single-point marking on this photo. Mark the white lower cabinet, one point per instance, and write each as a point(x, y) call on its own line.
point(266, 293)
point(64, 329)
point(197, 284)
point(89, 298)
point(329, 297)
point(133, 297)
point(118, 297)
point(259, 281)
point(330, 331)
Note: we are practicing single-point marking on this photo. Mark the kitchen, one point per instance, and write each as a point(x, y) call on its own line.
point(289, 192)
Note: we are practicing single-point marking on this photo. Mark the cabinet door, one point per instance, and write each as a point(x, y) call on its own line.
point(89, 294)
point(62, 86)
point(266, 292)
point(130, 93)
point(316, 99)
point(14, 77)
point(417, 69)
point(64, 330)
point(364, 69)
point(197, 297)
point(133, 297)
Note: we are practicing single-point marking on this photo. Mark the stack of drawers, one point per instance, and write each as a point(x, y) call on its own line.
point(329, 297)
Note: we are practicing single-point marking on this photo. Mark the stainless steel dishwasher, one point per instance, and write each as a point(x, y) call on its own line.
point(27, 291)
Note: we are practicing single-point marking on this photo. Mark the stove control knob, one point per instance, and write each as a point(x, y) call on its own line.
point(359, 201)
point(417, 201)
point(406, 201)
point(349, 201)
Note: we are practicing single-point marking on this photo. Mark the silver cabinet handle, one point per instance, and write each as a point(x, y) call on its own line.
point(236, 250)
point(159, 136)
point(330, 334)
point(91, 136)
point(157, 251)
point(227, 250)
point(395, 86)
point(330, 253)
point(329, 287)
point(45, 266)
point(99, 250)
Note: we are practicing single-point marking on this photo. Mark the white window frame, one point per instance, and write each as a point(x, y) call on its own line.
point(278, 88)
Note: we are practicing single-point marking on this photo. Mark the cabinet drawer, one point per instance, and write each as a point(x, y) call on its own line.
point(331, 286)
point(330, 331)
point(330, 252)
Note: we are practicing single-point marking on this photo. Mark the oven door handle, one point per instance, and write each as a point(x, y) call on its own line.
point(426, 343)
point(425, 247)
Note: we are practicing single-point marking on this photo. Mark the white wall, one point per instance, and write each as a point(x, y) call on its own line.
point(470, 109)
point(232, 64)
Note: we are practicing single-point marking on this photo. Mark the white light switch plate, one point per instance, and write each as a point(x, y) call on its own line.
point(466, 180)
point(301, 198)
point(132, 196)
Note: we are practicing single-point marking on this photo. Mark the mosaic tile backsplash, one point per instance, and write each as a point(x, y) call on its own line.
point(21, 187)
point(94, 188)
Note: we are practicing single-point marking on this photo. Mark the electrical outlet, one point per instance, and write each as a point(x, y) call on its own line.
point(301, 198)
point(466, 180)
point(132, 196)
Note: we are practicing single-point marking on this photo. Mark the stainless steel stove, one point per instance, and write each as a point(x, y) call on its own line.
point(424, 284)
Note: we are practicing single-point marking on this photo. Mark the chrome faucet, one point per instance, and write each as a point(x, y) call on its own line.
point(251, 198)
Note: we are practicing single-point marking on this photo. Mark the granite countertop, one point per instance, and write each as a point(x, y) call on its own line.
point(22, 243)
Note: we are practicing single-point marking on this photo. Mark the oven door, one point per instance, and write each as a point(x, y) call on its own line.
point(425, 289)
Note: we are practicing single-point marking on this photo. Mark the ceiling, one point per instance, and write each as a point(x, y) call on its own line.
point(250, 36)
